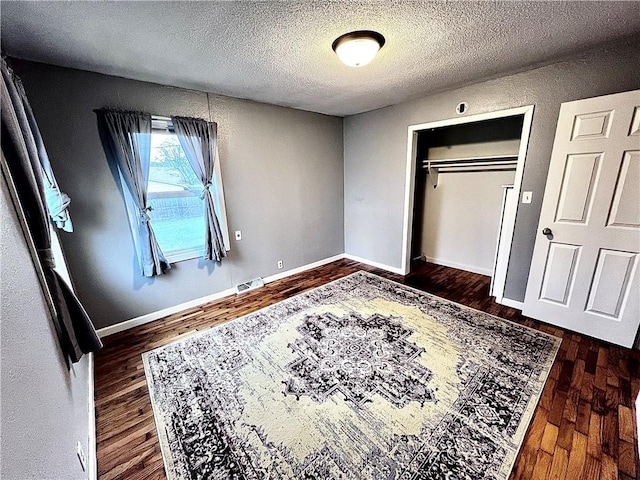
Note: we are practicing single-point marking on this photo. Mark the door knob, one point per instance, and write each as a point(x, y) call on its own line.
point(547, 231)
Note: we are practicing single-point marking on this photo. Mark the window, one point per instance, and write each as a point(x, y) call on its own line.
point(175, 195)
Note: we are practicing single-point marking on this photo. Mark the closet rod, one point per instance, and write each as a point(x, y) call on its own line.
point(467, 165)
point(505, 168)
point(464, 160)
point(488, 164)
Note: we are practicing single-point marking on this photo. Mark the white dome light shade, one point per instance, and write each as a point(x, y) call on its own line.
point(356, 49)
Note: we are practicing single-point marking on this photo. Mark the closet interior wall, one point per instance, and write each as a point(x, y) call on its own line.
point(457, 223)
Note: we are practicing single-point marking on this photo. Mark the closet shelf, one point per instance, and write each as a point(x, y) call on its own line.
point(468, 164)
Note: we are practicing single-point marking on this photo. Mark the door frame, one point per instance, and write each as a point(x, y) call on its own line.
point(412, 143)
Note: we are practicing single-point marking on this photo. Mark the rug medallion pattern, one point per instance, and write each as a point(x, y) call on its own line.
point(358, 357)
point(362, 378)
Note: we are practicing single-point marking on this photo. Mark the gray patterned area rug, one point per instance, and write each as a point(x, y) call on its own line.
point(362, 378)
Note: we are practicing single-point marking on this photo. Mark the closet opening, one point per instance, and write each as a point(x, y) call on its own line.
point(464, 178)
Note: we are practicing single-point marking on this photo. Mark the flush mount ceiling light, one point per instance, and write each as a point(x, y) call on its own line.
point(356, 49)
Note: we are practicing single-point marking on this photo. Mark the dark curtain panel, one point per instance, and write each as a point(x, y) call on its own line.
point(28, 165)
point(199, 140)
point(127, 138)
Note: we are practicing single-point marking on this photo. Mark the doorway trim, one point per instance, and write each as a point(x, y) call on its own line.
point(412, 143)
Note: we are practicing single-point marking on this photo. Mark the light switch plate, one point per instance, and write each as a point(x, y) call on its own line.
point(526, 197)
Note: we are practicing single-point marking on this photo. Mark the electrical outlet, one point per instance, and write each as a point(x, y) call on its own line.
point(238, 235)
point(526, 197)
point(81, 457)
point(280, 264)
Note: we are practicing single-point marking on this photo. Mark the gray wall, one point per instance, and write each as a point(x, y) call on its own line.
point(461, 230)
point(282, 172)
point(44, 405)
point(376, 144)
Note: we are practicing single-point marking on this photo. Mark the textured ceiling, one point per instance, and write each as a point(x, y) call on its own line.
point(280, 52)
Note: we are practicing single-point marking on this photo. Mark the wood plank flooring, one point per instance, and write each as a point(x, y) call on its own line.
point(583, 428)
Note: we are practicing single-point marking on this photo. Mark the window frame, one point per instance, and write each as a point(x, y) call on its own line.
point(164, 125)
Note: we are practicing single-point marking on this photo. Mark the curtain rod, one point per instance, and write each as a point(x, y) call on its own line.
point(153, 116)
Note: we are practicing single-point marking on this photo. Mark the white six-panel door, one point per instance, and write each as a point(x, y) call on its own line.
point(584, 273)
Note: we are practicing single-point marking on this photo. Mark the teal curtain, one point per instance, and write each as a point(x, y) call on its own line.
point(127, 137)
point(27, 164)
point(199, 140)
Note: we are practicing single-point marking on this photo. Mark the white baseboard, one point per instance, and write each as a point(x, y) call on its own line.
point(150, 317)
point(309, 266)
point(460, 266)
point(92, 454)
point(388, 268)
point(511, 303)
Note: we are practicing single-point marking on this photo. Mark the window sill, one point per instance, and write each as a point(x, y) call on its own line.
point(182, 256)
point(187, 255)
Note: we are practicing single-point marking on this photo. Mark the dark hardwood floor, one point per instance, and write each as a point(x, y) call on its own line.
point(582, 429)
